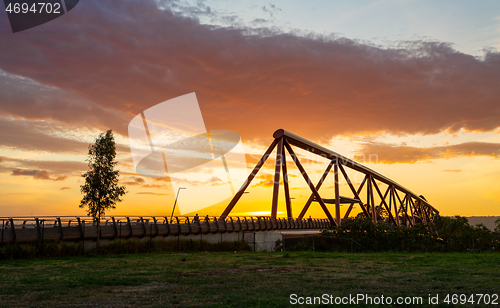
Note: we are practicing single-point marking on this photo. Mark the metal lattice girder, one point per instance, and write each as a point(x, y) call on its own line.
point(324, 152)
point(409, 210)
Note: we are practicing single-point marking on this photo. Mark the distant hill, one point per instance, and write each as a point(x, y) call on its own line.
point(488, 221)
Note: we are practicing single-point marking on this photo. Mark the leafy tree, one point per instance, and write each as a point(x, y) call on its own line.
point(497, 225)
point(101, 190)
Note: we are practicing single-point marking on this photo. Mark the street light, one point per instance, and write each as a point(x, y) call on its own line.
point(178, 190)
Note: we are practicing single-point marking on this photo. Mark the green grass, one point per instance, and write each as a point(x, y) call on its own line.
point(240, 279)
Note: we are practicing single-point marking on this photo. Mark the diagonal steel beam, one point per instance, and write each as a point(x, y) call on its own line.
point(383, 200)
point(285, 183)
point(276, 188)
point(318, 186)
point(424, 214)
point(356, 193)
point(391, 199)
point(245, 185)
point(369, 196)
point(309, 183)
point(401, 206)
point(337, 190)
point(413, 208)
point(379, 208)
point(408, 199)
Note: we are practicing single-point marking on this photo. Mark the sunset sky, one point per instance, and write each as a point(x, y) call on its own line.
point(409, 88)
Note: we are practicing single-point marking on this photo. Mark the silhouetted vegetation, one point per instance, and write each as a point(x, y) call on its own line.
point(442, 234)
point(101, 190)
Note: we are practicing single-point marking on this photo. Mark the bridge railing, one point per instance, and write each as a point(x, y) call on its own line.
point(74, 228)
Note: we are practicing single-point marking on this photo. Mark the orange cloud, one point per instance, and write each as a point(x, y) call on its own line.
point(391, 154)
point(213, 181)
point(155, 186)
point(37, 174)
point(264, 183)
point(152, 193)
point(62, 169)
point(313, 86)
point(134, 180)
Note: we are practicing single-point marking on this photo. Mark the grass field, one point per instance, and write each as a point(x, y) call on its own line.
point(242, 279)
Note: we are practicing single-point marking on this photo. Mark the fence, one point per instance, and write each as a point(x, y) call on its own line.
point(73, 228)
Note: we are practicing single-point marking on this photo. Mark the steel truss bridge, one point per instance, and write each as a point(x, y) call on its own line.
point(403, 207)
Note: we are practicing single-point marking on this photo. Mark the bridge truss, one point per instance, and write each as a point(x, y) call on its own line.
point(402, 206)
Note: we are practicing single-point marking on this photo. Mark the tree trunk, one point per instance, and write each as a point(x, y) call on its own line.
point(98, 232)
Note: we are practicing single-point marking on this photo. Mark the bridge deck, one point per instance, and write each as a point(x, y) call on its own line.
point(30, 229)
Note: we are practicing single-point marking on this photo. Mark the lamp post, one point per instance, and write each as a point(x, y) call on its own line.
point(176, 197)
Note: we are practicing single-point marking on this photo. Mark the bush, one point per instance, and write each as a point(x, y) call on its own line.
point(442, 234)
